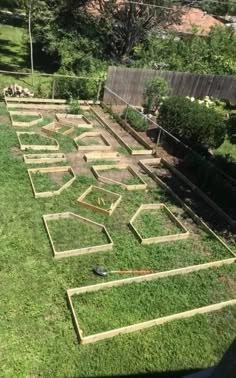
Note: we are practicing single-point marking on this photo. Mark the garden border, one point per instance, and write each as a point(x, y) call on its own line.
point(143, 325)
point(25, 124)
point(82, 202)
point(66, 117)
point(158, 239)
point(51, 170)
point(37, 147)
point(77, 251)
point(44, 158)
point(92, 147)
point(90, 156)
point(105, 180)
point(121, 140)
point(51, 128)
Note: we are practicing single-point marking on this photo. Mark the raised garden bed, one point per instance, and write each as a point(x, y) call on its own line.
point(44, 158)
point(119, 174)
point(33, 141)
point(25, 119)
point(92, 141)
point(101, 200)
point(58, 128)
point(73, 235)
point(51, 181)
point(143, 304)
point(77, 120)
point(155, 223)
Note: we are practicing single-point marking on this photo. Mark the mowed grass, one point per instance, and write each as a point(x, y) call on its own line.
point(133, 303)
point(13, 47)
point(37, 140)
point(37, 337)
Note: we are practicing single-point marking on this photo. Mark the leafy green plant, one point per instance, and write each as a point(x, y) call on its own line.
point(231, 130)
point(193, 123)
point(135, 119)
point(74, 106)
point(155, 89)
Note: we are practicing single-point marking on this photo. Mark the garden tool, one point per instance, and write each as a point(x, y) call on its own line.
point(101, 271)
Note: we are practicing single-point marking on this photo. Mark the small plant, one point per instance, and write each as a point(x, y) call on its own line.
point(74, 106)
point(155, 89)
point(135, 119)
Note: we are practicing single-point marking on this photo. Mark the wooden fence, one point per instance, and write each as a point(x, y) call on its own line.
point(129, 84)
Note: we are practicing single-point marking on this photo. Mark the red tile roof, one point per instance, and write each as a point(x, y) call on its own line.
point(194, 17)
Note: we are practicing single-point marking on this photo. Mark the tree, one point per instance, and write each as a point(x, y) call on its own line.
point(155, 89)
point(214, 54)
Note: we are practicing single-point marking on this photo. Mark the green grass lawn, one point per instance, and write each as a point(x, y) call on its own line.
point(37, 337)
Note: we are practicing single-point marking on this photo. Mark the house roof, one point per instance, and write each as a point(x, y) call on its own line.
point(194, 17)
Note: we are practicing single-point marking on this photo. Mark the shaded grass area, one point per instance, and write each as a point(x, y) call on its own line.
point(36, 330)
point(13, 47)
point(155, 222)
point(137, 302)
point(70, 234)
point(44, 182)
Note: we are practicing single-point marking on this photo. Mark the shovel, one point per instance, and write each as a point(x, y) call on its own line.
point(101, 271)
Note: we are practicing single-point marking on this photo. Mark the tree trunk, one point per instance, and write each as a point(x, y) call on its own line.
point(31, 42)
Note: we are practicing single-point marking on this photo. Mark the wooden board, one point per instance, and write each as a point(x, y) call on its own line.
point(159, 239)
point(116, 197)
point(44, 158)
point(100, 176)
point(91, 156)
point(54, 127)
point(51, 170)
point(78, 251)
point(38, 106)
point(37, 147)
point(25, 124)
point(66, 118)
point(95, 147)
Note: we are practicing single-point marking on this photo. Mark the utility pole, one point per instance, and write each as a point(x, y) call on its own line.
point(30, 39)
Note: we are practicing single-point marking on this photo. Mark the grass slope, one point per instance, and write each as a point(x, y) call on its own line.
point(37, 337)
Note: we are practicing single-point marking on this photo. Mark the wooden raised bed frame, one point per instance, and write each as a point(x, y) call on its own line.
point(159, 239)
point(25, 124)
point(78, 251)
point(94, 147)
point(44, 158)
point(53, 126)
point(51, 170)
point(90, 156)
point(96, 168)
point(37, 147)
point(143, 325)
point(82, 200)
point(66, 117)
point(146, 151)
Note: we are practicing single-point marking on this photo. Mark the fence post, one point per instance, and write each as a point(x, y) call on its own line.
point(53, 89)
point(99, 90)
point(158, 138)
point(126, 111)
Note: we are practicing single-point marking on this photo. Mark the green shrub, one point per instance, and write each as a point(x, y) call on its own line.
point(155, 89)
point(135, 119)
point(191, 122)
point(231, 129)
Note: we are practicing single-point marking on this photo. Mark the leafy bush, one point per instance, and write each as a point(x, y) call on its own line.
point(74, 106)
point(135, 119)
point(155, 89)
point(193, 123)
point(232, 129)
